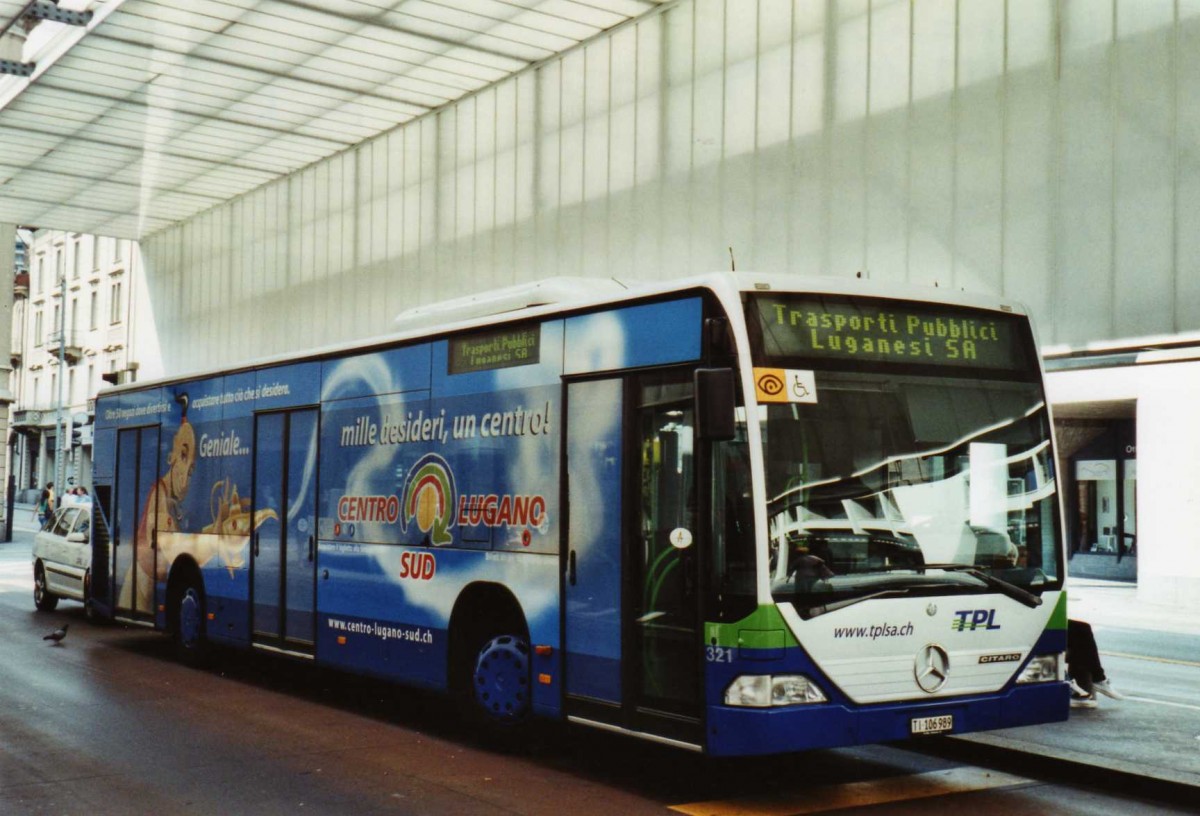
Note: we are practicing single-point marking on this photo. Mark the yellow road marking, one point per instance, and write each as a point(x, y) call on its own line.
point(858, 794)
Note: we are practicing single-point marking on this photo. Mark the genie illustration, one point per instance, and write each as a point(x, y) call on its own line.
point(162, 514)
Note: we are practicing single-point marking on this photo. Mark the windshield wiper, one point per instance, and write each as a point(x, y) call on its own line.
point(822, 609)
point(1004, 587)
point(1011, 590)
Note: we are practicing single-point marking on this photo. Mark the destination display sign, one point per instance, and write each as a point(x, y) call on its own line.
point(498, 349)
point(888, 331)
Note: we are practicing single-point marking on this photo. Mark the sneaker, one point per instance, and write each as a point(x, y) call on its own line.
point(1083, 701)
point(1105, 688)
point(1077, 690)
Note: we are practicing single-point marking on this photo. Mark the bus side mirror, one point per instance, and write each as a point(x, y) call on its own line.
point(714, 390)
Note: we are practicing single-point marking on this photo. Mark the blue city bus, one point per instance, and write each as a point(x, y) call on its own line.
point(736, 514)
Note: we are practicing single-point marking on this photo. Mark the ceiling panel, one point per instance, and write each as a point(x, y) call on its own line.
point(161, 109)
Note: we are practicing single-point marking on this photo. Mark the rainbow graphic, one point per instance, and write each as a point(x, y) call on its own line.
point(429, 499)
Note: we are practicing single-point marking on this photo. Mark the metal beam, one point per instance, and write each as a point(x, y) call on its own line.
point(17, 68)
point(40, 10)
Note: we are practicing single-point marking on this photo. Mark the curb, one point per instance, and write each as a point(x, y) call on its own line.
point(1104, 773)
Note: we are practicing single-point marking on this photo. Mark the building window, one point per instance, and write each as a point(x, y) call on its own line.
point(38, 337)
point(1102, 504)
point(74, 320)
point(91, 380)
point(94, 311)
point(76, 257)
point(71, 387)
point(114, 308)
point(39, 274)
point(59, 265)
point(116, 250)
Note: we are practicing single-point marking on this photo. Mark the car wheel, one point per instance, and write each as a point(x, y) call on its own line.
point(89, 608)
point(43, 599)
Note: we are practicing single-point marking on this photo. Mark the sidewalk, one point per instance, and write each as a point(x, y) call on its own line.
point(1145, 735)
point(24, 520)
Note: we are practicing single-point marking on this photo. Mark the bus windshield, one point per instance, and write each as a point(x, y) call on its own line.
point(891, 478)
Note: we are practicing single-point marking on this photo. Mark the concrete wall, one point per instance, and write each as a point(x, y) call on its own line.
point(1044, 150)
point(1168, 450)
point(1168, 442)
point(1039, 149)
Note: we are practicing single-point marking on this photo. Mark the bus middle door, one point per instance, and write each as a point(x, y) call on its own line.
point(284, 550)
point(631, 596)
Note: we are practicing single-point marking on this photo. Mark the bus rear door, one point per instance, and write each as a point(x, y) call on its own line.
point(137, 514)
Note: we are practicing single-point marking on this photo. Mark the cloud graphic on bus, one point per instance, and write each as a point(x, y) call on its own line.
point(429, 499)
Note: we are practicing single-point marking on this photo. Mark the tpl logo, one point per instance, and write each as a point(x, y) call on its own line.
point(972, 619)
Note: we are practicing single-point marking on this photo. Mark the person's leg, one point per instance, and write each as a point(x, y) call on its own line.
point(1083, 659)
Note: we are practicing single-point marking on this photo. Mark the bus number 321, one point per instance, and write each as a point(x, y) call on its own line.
point(718, 654)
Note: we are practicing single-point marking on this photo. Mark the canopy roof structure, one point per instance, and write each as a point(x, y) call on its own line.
point(130, 116)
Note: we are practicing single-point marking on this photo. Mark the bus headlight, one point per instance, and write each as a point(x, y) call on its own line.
point(1041, 669)
point(765, 691)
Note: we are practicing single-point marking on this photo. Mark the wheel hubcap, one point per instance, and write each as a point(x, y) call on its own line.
point(502, 679)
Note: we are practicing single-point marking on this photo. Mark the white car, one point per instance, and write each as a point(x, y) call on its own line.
point(62, 558)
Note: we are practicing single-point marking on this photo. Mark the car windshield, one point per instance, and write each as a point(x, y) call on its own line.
point(893, 483)
point(60, 524)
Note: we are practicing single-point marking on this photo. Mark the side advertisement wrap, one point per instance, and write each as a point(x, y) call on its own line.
point(476, 471)
point(425, 481)
point(197, 500)
point(426, 491)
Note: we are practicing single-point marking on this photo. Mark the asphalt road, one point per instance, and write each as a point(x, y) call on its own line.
point(108, 723)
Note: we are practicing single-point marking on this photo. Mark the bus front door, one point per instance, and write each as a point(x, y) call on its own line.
point(632, 613)
point(284, 552)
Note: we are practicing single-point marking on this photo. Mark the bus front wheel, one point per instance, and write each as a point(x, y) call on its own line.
point(490, 671)
point(500, 685)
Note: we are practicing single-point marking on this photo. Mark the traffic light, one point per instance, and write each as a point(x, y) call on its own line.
point(76, 436)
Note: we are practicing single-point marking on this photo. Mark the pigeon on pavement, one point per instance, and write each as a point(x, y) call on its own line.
point(57, 635)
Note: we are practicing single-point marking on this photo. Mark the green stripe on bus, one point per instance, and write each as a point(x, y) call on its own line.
point(763, 629)
point(1058, 619)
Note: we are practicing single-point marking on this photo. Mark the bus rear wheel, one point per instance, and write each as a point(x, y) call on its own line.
point(191, 645)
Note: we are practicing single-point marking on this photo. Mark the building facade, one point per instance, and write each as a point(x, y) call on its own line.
point(75, 329)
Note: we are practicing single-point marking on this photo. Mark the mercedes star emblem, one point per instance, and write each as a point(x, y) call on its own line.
point(932, 667)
